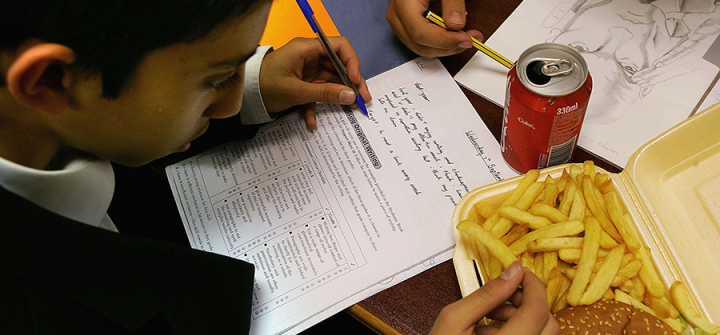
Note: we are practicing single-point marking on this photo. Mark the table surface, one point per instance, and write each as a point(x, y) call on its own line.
point(412, 306)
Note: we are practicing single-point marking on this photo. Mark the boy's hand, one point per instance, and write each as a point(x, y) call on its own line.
point(425, 38)
point(300, 73)
point(527, 313)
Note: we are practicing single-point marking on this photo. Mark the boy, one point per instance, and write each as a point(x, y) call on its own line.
point(89, 82)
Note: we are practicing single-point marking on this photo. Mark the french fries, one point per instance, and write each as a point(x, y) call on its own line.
point(494, 245)
point(588, 257)
point(624, 228)
point(663, 308)
point(554, 285)
point(522, 217)
point(681, 297)
point(569, 228)
point(549, 212)
point(484, 209)
point(555, 244)
point(604, 277)
point(574, 233)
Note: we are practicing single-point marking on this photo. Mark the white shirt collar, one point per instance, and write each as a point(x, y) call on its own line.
point(81, 191)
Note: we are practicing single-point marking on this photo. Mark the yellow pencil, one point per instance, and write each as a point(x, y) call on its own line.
point(434, 18)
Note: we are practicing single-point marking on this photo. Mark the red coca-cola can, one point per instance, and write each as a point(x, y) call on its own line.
point(547, 93)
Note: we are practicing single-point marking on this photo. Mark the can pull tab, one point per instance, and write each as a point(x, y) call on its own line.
point(557, 67)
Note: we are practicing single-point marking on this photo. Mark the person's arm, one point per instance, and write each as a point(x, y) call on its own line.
point(528, 312)
point(299, 73)
point(425, 38)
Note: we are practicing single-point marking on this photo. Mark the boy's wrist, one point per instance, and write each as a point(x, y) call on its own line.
point(253, 109)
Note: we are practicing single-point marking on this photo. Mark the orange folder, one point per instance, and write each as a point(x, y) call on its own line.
point(287, 21)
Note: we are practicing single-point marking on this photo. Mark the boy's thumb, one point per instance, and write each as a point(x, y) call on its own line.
point(330, 93)
point(347, 97)
point(495, 292)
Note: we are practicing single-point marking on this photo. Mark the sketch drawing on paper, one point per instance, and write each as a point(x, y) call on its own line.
point(632, 45)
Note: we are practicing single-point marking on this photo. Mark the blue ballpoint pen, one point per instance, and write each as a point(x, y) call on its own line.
point(310, 16)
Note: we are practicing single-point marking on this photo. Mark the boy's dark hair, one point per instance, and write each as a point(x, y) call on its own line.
point(110, 37)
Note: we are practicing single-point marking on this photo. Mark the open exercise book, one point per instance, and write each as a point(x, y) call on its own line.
point(334, 216)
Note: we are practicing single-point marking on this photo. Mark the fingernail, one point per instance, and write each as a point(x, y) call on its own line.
point(347, 97)
point(465, 45)
point(457, 18)
point(511, 271)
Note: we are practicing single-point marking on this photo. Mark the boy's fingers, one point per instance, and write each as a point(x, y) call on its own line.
point(350, 60)
point(454, 14)
point(331, 93)
point(503, 312)
point(309, 116)
point(488, 297)
point(422, 36)
point(533, 313)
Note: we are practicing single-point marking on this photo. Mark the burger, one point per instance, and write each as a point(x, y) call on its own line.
point(610, 317)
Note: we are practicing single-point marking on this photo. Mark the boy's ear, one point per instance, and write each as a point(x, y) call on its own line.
point(40, 77)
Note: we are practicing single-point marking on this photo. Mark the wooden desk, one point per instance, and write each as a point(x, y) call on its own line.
point(412, 306)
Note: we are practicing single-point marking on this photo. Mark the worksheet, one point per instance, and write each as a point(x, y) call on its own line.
point(646, 59)
point(332, 216)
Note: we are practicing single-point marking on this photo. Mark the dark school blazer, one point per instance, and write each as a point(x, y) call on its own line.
point(58, 276)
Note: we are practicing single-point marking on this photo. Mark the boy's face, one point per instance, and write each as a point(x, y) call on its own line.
point(170, 98)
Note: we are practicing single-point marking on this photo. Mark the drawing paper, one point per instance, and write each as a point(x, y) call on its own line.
point(645, 59)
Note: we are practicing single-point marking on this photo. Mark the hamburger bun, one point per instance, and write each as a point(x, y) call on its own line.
point(610, 317)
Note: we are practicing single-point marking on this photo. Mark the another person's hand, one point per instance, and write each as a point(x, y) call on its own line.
point(300, 73)
point(528, 312)
point(424, 37)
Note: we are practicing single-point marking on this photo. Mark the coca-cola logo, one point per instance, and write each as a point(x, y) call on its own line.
point(521, 120)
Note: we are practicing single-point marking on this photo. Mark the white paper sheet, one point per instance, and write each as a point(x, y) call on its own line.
point(645, 60)
point(333, 216)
